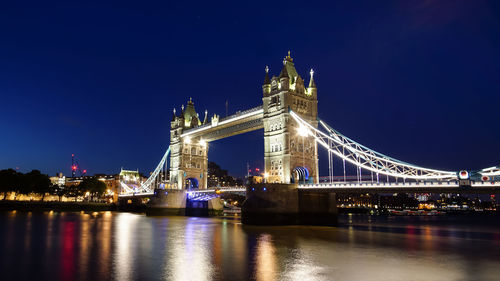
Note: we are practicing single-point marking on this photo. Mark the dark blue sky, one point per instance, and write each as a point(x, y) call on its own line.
point(417, 80)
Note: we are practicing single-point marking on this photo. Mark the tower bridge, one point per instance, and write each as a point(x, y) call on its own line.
point(292, 132)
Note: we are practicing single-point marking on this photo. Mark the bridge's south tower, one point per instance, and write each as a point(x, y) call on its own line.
point(188, 156)
point(290, 154)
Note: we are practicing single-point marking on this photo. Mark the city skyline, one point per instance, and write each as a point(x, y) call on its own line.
point(104, 89)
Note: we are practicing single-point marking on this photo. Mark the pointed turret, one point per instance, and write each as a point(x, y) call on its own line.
point(174, 116)
point(206, 117)
point(311, 81)
point(311, 90)
point(284, 71)
point(190, 116)
point(289, 72)
point(266, 87)
point(267, 81)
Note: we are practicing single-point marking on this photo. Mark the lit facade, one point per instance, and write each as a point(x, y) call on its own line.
point(188, 156)
point(290, 153)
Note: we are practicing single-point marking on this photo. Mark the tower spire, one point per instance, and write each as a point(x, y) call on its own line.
point(311, 81)
point(284, 71)
point(288, 58)
point(267, 81)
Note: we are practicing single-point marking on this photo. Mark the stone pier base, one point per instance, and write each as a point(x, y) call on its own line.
point(176, 202)
point(280, 204)
point(167, 202)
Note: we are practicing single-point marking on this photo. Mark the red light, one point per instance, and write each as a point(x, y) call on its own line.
point(73, 167)
point(72, 155)
point(257, 169)
point(84, 171)
point(250, 170)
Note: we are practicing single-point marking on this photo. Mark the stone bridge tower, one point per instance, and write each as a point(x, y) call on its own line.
point(290, 154)
point(188, 156)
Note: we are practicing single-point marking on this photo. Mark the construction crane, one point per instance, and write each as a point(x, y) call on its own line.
point(75, 167)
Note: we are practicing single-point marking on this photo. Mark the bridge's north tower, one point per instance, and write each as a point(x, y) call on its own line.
point(290, 154)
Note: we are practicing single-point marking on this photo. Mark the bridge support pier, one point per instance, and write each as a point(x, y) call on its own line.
point(175, 202)
point(279, 204)
point(167, 202)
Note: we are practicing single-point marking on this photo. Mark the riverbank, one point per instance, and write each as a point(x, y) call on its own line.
point(56, 206)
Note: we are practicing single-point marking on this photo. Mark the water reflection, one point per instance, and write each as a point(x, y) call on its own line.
point(265, 259)
point(189, 249)
point(67, 250)
point(124, 246)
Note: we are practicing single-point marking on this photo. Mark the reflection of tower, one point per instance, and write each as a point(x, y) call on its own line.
point(188, 157)
point(288, 152)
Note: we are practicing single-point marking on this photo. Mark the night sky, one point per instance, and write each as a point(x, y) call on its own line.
point(416, 80)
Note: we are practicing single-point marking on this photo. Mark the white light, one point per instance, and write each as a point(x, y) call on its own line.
point(187, 140)
point(203, 143)
point(303, 131)
point(266, 175)
point(463, 175)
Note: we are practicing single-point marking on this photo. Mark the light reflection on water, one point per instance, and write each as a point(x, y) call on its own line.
point(125, 246)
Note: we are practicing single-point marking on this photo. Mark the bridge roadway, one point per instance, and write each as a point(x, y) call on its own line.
point(388, 187)
point(408, 187)
point(365, 187)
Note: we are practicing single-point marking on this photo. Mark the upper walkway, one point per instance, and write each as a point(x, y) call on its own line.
point(238, 123)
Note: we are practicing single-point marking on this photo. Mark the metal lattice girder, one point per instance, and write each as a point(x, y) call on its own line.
point(147, 187)
point(147, 184)
point(126, 187)
point(366, 158)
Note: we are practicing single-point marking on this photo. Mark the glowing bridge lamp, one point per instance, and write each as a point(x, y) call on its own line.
point(203, 143)
point(187, 140)
point(303, 131)
point(266, 176)
point(463, 175)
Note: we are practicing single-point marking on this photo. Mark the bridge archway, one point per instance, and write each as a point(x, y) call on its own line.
point(192, 183)
point(300, 175)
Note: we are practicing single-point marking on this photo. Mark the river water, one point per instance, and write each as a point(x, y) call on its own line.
point(126, 246)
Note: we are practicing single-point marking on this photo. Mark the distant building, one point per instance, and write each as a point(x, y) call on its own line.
point(131, 181)
point(218, 177)
point(112, 183)
point(59, 180)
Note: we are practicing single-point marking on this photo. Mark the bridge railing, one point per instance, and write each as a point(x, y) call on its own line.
point(379, 184)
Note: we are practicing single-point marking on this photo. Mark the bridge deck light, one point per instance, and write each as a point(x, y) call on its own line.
point(203, 143)
point(187, 140)
point(303, 131)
